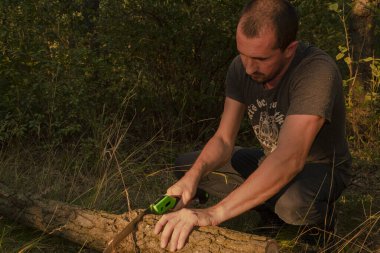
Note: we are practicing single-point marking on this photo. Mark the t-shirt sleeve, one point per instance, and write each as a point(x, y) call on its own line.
point(234, 80)
point(315, 88)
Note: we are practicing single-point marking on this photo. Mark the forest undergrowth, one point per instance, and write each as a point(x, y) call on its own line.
point(129, 175)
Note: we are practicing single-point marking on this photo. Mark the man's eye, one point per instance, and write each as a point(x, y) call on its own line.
point(259, 59)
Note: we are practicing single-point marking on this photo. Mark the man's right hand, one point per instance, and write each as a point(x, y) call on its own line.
point(185, 189)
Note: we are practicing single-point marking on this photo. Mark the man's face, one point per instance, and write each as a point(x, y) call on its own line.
point(262, 60)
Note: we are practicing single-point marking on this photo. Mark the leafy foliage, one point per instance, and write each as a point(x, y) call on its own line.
point(68, 69)
point(64, 67)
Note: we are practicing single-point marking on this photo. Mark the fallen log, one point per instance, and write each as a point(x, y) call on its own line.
point(95, 229)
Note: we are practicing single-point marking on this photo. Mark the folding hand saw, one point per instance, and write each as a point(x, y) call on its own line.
point(160, 206)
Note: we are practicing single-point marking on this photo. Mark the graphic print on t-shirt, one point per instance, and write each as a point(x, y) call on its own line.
point(266, 122)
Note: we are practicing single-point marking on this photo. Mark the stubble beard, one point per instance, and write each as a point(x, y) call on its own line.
point(260, 78)
point(263, 79)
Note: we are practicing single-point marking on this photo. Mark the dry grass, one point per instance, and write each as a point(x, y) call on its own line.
point(122, 182)
point(116, 173)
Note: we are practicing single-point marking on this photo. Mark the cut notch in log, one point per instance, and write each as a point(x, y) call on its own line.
point(96, 228)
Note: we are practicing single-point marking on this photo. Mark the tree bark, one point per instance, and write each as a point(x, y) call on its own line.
point(362, 35)
point(95, 229)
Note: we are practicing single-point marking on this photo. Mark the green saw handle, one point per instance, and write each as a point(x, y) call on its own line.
point(163, 204)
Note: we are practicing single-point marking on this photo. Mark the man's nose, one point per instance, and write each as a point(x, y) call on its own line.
point(251, 67)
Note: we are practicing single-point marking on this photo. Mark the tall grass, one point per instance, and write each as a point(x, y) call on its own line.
point(122, 178)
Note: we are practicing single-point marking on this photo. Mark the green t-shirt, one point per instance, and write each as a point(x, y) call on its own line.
point(312, 85)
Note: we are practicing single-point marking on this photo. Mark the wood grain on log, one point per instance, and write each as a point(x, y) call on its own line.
point(94, 228)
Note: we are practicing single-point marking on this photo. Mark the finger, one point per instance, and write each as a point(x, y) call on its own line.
point(167, 232)
point(160, 224)
point(175, 235)
point(174, 190)
point(185, 231)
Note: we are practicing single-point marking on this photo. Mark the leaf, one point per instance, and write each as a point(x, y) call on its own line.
point(334, 7)
point(375, 70)
point(342, 49)
point(339, 56)
point(348, 60)
point(368, 98)
point(368, 59)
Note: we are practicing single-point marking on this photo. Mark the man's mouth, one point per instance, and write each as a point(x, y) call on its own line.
point(257, 76)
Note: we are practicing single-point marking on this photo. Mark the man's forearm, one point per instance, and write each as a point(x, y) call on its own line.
point(277, 170)
point(215, 154)
point(218, 149)
point(273, 174)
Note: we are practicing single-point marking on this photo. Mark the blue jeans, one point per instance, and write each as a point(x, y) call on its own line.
point(307, 199)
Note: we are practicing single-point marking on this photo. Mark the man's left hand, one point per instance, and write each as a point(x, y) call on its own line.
point(177, 226)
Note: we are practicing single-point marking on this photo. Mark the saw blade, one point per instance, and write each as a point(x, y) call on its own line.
point(114, 243)
point(160, 206)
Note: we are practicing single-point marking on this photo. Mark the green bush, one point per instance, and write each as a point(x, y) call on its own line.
point(63, 66)
point(69, 69)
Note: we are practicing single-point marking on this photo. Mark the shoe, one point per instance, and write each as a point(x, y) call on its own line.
point(268, 217)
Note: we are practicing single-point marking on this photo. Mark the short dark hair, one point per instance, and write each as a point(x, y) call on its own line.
point(280, 15)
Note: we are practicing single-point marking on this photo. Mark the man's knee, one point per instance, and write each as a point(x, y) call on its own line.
point(292, 210)
point(296, 209)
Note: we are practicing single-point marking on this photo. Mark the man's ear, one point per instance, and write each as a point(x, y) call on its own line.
point(291, 49)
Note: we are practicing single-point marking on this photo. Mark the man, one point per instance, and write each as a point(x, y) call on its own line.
point(294, 99)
